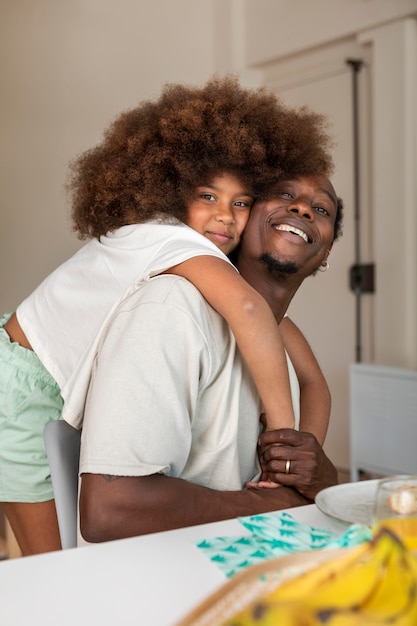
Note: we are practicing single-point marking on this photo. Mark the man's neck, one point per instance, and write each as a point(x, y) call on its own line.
point(277, 287)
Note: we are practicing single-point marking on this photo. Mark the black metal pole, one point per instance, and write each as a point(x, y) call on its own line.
point(356, 65)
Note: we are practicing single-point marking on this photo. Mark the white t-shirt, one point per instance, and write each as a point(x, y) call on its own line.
point(63, 317)
point(170, 393)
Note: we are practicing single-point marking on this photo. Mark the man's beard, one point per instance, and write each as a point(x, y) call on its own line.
point(273, 264)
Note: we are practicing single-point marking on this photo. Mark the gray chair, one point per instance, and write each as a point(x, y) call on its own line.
point(62, 443)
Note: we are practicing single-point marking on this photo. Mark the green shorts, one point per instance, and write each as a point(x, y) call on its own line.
point(29, 399)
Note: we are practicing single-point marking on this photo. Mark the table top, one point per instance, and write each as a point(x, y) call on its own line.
point(155, 579)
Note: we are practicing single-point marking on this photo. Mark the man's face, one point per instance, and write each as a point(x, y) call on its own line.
point(293, 227)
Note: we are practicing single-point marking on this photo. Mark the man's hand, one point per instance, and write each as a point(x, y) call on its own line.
point(297, 461)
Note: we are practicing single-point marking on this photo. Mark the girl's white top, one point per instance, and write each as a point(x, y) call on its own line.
point(64, 317)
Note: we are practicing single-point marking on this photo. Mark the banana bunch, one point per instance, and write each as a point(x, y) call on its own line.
point(371, 585)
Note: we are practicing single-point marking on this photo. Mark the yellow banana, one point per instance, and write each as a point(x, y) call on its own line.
point(396, 596)
point(271, 610)
point(263, 614)
point(392, 600)
point(372, 585)
point(330, 589)
point(313, 579)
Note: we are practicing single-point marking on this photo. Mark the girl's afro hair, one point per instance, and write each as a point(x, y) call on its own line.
point(153, 156)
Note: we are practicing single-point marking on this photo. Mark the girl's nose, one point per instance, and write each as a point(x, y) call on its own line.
point(225, 213)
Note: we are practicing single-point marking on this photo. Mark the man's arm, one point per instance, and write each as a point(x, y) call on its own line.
point(114, 507)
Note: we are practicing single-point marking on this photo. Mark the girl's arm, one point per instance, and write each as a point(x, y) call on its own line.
point(254, 327)
point(315, 400)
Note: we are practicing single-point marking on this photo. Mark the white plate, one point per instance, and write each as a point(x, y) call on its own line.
point(349, 502)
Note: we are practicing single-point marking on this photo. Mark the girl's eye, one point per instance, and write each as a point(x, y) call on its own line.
point(243, 204)
point(208, 196)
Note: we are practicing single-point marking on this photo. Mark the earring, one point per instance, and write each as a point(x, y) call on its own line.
point(324, 266)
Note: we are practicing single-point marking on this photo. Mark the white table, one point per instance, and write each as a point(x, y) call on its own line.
point(153, 580)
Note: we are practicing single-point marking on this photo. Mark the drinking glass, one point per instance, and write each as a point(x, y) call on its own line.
point(396, 508)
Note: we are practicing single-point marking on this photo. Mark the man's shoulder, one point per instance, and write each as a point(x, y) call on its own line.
point(166, 289)
point(169, 297)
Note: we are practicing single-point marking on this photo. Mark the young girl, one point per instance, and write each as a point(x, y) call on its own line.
point(196, 156)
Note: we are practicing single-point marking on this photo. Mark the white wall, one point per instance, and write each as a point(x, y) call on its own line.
point(278, 28)
point(67, 69)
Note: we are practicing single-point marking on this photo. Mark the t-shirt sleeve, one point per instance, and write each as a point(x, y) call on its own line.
point(171, 245)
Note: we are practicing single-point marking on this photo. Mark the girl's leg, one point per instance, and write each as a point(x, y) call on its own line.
point(35, 526)
point(30, 398)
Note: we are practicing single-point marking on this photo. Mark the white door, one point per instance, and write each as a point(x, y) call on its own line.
point(325, 307)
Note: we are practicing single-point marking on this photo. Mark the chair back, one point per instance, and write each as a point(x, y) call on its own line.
point(62, 443)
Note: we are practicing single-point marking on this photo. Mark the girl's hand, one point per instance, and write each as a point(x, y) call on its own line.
point(264, 481)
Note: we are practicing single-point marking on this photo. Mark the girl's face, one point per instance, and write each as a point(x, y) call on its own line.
point(220, 210)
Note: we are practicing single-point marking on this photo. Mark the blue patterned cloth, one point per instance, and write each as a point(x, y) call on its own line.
point(273, 535)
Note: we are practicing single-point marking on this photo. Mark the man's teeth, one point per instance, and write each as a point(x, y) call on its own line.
point(294, 231)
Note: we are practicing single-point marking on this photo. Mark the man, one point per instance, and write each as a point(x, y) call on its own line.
point(171, 421)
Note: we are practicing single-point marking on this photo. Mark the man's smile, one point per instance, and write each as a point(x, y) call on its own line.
point(287, 227)
point(293, 230)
